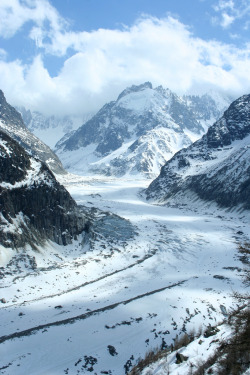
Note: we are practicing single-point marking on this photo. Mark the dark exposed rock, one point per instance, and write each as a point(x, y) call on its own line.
point(11, 123)
point(33, 205)
point(112, 350)
point(211, 331)
point(94, 131)
point(180, 358)
point(234, 125)
point(18, 263)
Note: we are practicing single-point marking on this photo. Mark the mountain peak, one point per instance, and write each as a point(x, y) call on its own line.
point(2, 97)
point(233, 125)
point(11, 123)
point(135, 88)
point(8, 114)
point(163, 91)
point(137, 133)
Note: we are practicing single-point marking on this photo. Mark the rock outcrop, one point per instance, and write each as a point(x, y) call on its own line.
point(33, 206)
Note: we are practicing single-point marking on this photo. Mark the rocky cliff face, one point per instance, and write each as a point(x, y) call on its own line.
point(216, 167)
point(137, 133)
point(33, 206)
point(12, 124)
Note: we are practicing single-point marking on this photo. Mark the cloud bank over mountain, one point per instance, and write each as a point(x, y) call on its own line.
point(98, 64)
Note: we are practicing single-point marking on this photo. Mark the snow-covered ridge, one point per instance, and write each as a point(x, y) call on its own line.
point(12, 124)
point(215, 167)
point(138, 133)
point(50, 129)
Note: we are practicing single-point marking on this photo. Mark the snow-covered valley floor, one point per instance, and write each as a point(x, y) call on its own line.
point(98, 307)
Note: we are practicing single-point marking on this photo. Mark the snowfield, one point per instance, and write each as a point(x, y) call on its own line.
point(99, 304)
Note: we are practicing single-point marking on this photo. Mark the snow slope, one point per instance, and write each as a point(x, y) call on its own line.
point(197, 352)
point(97, 307)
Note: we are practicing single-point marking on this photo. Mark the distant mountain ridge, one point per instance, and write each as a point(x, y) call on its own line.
point(50, 129)
point(139, 132)
point(215, 168)
point(11, 123)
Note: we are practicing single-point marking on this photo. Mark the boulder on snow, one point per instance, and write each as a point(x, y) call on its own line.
point(180, 358)
point(211, 331)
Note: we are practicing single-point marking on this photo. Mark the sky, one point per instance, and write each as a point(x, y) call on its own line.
point(70, 57)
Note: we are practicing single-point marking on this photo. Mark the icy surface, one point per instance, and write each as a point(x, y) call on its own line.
point(99, 305)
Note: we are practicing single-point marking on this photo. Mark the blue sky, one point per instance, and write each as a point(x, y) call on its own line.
point(72, 56)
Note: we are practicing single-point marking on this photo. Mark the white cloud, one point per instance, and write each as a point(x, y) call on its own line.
point(223, 4)
point(3, 53)
point(15, 13)
point(104, 62)
point(227, 20)
point(229, 11)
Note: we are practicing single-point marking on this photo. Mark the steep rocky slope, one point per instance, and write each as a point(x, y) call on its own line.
point(33, 206)
point(11, 123)
point(216, 167)
point(138, 133)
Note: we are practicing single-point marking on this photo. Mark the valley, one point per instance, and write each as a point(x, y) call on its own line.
point(132, 283)
point(124, 187)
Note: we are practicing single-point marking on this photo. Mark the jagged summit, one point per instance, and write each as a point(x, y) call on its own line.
point(11, 123)
point(215, 168)
point(8, 114)
point(135, 88)
point(136, 134)
point(234, 125)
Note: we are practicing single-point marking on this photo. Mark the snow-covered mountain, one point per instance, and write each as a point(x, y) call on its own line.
point(50, 129)
point(12, 124)
point(33, 206)
point(139, 132)
point(215, 168)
